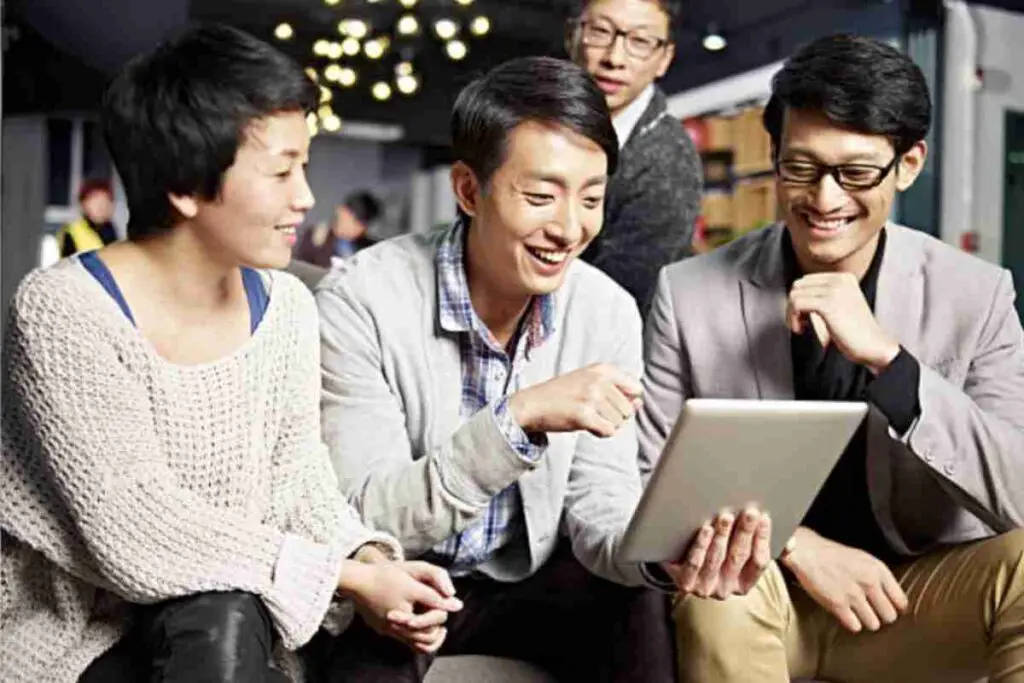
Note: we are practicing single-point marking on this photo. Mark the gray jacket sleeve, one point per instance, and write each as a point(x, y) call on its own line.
point(666, 377)
point(972, 437)
point(421, 499)
point(604, 483)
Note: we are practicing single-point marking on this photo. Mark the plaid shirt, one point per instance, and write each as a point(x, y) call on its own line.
point(489, 376)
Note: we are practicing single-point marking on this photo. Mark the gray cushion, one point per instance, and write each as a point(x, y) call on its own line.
point(477, 669)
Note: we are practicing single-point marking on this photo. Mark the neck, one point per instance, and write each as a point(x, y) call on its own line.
point(183, 265)
point(498, 310)
point(621, 110)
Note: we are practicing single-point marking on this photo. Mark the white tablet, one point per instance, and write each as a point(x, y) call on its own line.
point(726, 453)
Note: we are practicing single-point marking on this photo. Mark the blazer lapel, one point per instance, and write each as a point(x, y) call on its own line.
point(763, 299)
point(899, 302)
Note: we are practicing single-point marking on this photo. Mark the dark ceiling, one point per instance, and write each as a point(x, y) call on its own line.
point(58, 53)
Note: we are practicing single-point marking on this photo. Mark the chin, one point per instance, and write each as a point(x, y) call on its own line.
point(543, 286)
point(269, 260)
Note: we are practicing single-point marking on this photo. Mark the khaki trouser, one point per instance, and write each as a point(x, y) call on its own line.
point(965, 620)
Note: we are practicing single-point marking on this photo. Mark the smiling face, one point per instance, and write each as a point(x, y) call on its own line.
point(263, 199)
point(541, 208)
point(620, 75)
point(835, 229)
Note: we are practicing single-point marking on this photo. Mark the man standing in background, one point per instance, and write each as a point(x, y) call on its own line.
point(654, 197)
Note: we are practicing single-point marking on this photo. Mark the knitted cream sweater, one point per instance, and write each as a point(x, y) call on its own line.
point(128, 479)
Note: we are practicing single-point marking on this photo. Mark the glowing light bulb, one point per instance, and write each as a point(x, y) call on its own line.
point(456, 49)
point(407, 84)
point(347, 77)
point(408, 25)
point(445, 29)
point(480, 26)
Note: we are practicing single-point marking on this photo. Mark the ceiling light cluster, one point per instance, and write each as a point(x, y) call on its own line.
point(379, 40)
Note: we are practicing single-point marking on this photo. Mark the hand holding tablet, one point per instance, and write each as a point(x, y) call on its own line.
point(725, 458)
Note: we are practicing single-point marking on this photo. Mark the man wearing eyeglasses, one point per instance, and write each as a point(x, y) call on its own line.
point(653, 198)
point(909, 566)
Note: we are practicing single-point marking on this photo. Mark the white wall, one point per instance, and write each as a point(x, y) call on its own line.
point(728, 92)
point(1000, 55)
point(338, 166)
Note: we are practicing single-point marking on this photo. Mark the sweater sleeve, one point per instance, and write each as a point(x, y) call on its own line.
point(305, 482)
point(87, 486)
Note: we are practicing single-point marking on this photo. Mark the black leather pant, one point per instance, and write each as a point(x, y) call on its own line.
point(205, 638)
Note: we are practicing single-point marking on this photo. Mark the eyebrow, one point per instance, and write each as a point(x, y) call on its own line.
point(636, 27)
point(558, 180)
point(853, 159)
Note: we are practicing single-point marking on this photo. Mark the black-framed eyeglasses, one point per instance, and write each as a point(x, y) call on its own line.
point(601, 33)
point(847, 176)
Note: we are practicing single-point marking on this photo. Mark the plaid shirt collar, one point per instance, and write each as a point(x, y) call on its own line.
point(456, 307)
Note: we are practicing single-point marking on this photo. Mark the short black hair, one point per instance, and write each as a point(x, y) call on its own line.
point(175, 118)
point(363, 206)
point(673, 8)
point(546, 90)
point(859, 83)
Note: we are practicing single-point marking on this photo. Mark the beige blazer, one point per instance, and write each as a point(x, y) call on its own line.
point(717, 329)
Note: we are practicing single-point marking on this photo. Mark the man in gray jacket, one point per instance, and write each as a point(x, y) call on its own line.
point(654, 198)
point(909, 565)
point(479, 391)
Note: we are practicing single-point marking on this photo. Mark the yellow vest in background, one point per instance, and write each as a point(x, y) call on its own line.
point(84, 237)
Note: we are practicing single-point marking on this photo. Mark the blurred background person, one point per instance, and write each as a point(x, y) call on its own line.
point(94, 229)
point(347, 233)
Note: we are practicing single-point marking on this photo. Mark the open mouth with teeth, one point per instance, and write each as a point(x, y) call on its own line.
point(828, 224)
point(551, 257)
point(286, 229)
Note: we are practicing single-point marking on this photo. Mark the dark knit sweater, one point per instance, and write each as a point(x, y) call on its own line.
point(651, 203)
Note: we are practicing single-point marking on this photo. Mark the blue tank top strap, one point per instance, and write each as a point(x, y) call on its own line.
point(255, 289)
point(256, 293)
point(99, 270)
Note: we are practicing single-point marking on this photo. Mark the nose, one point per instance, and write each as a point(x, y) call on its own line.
point(615, 54)
point(827, 195)
point(303, 199)
point(569, 228)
